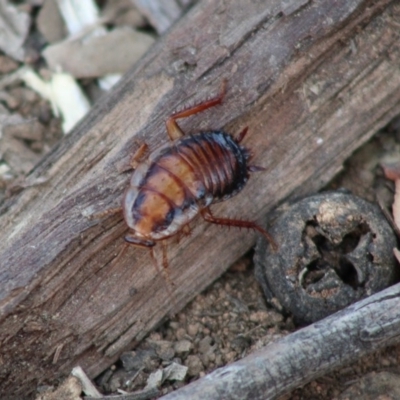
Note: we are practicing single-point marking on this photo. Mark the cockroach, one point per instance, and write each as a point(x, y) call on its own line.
point(182, 178)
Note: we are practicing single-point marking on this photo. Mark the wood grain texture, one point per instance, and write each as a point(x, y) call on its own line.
point(305, 355)
point(312, 81)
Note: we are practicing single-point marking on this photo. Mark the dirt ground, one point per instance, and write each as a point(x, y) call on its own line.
point(231, 318)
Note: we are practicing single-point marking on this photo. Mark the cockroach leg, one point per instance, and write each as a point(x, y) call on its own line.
point(164, 272)
point(207, 215)
point(389, 217)
point(131, 239)
point(135, 160)
point(173, 129)
point(186, 231)
point(255, 168)
point(167, 277)
point(138, 155)
point(242, 134)
point(106, 213)
point(154, 260)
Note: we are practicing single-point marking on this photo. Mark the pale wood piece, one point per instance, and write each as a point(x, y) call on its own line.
point(162, 13)
point(305, 355)
point(312, 81)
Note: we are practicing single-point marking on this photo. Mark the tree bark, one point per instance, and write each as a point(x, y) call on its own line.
point(312, 81)
point(304, 355)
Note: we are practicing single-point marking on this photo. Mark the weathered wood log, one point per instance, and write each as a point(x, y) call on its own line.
point(307, 354)
point(313, 81)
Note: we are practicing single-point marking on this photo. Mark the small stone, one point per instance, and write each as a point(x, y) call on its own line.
point(182, 347)
point(205, 344)
point(211, 356)
point(193, 329)
point(7, 64)
point(138, 359)
point(32, 130)
point(240, 343)
point(118, 379)
point(194, 365)
point(259, 317)
point(154, 379)
point(155, 337)
point(177, 360)
point(174, 325)
point(231, 356)
point(205, 359)
point(175, 372)
point(164, 349)
point(218, 360)
point(180, 333)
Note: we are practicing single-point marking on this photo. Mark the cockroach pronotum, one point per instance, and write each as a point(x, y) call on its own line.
point(182, 178)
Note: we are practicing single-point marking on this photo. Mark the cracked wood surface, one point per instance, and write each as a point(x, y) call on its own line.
point(312, 81)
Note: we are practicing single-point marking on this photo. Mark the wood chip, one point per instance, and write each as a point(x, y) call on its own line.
point(15, 27)
point(111, 53)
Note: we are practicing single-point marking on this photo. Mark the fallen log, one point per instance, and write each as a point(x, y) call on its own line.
point(311, 81)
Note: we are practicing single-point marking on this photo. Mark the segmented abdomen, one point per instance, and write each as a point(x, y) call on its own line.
point(181, 178)
point(217, 161)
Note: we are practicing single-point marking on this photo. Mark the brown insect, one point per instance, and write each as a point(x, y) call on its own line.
point(181, 179)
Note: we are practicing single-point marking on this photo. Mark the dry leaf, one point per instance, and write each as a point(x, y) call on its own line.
point(14, 29)
point(112, 53)
point(50, 22)
point(65, 95)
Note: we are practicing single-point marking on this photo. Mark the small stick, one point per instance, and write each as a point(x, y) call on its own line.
point(87, 386)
